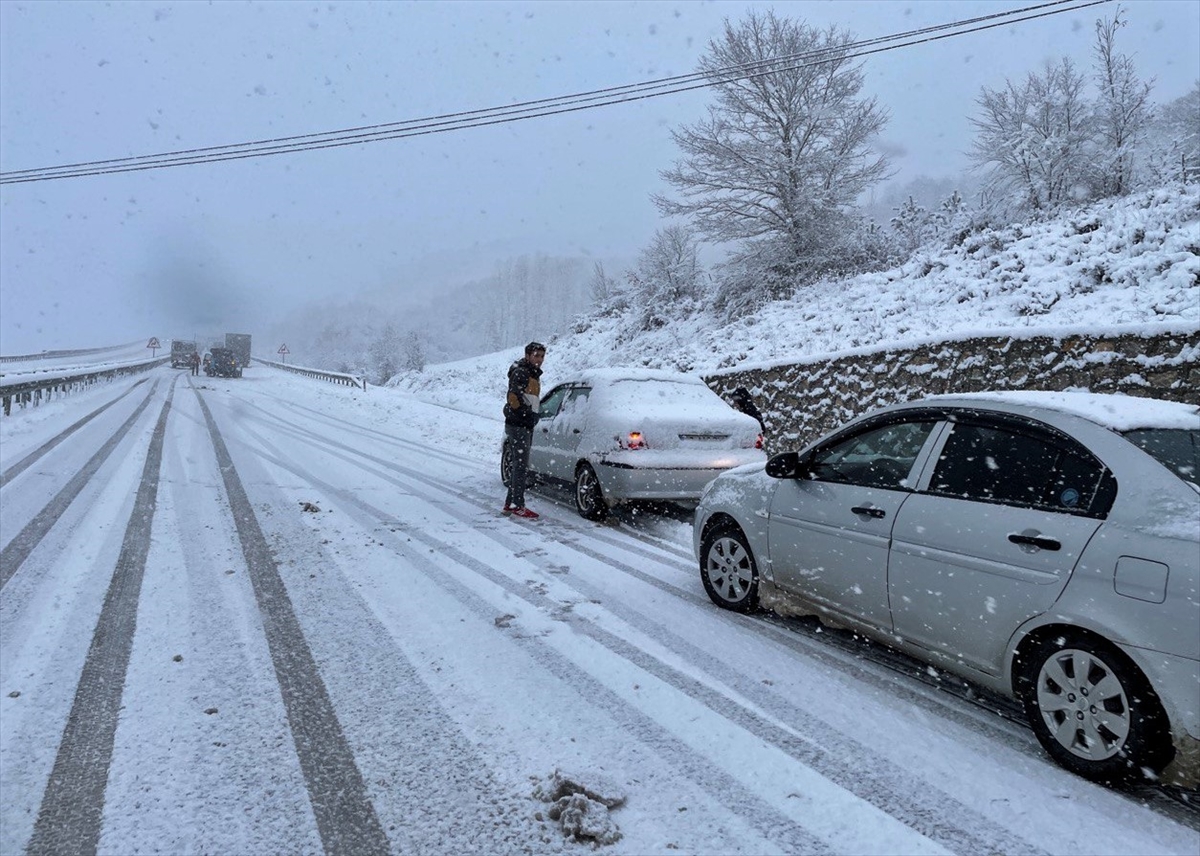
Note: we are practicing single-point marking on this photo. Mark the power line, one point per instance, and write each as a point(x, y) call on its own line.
point(590, 95)
point(548, 106)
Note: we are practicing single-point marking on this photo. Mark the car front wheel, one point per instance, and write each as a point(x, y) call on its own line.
point(589, 499)
point(1093, 710)
point(728, 570)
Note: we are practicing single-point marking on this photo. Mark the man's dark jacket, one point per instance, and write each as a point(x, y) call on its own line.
point(524, 388)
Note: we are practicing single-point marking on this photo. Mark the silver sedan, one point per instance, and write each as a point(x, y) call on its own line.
point(625, 435)
point(1043, 545)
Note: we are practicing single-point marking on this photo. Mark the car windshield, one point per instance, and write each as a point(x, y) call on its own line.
point(1177, 449)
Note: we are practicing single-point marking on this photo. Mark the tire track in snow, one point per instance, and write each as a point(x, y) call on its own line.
point(346, 819)
point(654, 553)
point(423, 449)
point(32, 458)
point(907, 799)
point(72, 807)
point(463, 808)
point(721, 787)
point(17, 550)
point(344, 426)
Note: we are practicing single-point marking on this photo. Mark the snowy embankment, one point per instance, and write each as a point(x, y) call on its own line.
point(14, 369)
point(1121, 264)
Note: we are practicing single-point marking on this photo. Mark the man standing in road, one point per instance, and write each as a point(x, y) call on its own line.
point(520, 416)
point(195, 361)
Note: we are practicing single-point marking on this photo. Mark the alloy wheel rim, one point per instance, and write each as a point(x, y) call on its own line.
point(585, 491)
point(729, 569)
point(1084, 705)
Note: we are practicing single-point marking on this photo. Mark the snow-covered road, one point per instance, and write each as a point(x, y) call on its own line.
point(270, 615)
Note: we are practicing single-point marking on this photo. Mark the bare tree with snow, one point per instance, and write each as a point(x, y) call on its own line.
point(413, 348)
point(383, 353)
point(1035, 138)
point(785, 151)
point(1173, 142)
point(1121, 114)
point(668, 281)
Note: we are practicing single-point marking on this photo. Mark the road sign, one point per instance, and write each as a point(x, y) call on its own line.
point(283, 349)
point(153, 343)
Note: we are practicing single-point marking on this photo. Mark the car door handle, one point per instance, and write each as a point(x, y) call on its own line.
point(869, 510)
point(1038, 541)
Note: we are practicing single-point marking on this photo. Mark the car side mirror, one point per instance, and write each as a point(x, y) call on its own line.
point(787, 465)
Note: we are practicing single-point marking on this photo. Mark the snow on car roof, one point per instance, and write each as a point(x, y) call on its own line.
point(652, 393)
point(613, 375)
point(1115, 411)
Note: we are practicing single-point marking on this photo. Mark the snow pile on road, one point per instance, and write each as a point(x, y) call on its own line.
point(582, 811)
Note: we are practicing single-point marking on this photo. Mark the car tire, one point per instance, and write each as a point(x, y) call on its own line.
point(506, 464)
point(728, 569)
point(589, 498)
point(1092, 709)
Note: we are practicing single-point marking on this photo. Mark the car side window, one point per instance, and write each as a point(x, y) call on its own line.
point(553, 401)
point(882, 456)
point(992, 464)
point(576, 400)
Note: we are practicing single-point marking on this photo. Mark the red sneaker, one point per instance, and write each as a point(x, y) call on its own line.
point(526, 513)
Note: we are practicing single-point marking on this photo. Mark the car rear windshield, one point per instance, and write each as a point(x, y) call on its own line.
point(1177, 449)
point(680, 399)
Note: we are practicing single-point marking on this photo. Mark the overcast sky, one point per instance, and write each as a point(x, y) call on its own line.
point(231, 246)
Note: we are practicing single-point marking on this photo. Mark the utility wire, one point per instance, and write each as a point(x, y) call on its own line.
point(550, 106)
point(524, 110)
point(590, 95)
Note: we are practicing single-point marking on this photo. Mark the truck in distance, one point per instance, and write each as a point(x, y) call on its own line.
point(181, 353)
point(239, 343)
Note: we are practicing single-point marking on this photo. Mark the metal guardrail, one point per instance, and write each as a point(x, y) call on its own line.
point(30, 393)
point(320, 374)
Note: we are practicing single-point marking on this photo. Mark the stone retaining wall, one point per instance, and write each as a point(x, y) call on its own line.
point(801, 401)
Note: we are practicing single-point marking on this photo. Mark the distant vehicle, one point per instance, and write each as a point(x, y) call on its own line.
point(181, 353)
point(239, 343)
point(223, 363)
point(620, 435)
point(1044, 545)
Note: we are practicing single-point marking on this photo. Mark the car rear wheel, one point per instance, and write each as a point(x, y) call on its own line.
point(1093, 710)
point(506, 463)
point(728, 569)
point(589, 499)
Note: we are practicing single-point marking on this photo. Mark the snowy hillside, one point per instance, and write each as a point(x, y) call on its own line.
point(1118, 264)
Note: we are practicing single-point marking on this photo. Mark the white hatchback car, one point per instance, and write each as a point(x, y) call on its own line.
point(1044, 545)
point(619, 435)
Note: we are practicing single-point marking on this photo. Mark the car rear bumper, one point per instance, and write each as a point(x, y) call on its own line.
point(1177, 681)
point(621, 480)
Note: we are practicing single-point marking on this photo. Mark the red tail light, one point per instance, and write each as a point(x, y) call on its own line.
point(633, 440)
